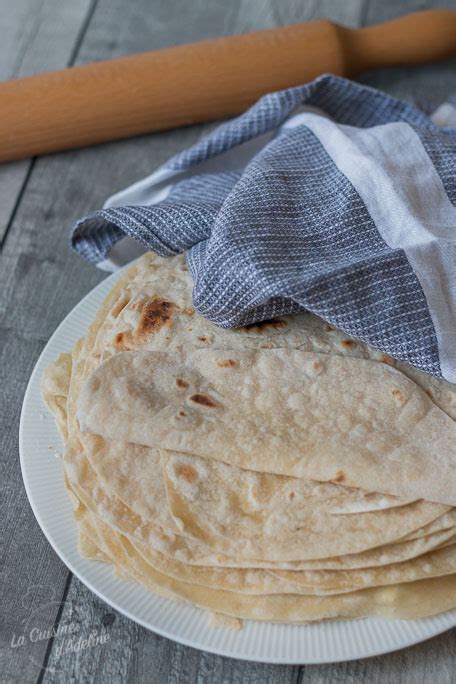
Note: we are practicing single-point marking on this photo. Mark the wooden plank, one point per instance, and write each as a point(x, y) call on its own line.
point(431, 661)
point(35, 36)
point(33, 578)
point(40, 281)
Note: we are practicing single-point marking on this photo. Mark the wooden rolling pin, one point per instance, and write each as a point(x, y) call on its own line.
point(203, 81)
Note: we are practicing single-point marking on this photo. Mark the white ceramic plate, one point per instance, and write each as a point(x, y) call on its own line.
point(42, 471)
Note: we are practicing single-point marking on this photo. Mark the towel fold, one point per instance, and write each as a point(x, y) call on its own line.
point(330, 197)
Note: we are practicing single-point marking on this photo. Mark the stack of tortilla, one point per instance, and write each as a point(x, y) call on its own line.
point(280, 472)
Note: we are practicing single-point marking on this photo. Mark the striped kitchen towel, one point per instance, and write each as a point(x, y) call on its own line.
point(331, 197)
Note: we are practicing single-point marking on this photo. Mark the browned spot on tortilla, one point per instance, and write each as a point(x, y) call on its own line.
point(329, 328)
point(188, 311)
point(399, 396)
point(262, 326)
point(203, 338)
point(291, 495)
point(348, 344)
point(339, 476)
point(384, 358)
point(266, 346)
point(98, 357)
point(317, 365)
point(226, 363)
point(122, 340)
point(155, 314)
point(182, 413)
point(204, 400)
point(119, 306)
point(186, 472)
point(428, 392)
point(95, 384)
point(181, 383)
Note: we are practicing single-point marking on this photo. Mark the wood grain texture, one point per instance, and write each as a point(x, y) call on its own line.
point(35, 36)
point(40, 281)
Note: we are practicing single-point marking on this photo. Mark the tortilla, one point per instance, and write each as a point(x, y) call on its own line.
point(410, 600)
point(54, 388)
point(133, 475)
point(330, 418)
point(132, 509)
point(260, 582)
point(258, 515)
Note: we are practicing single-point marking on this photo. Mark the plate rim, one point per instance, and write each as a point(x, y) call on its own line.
point(32, 393)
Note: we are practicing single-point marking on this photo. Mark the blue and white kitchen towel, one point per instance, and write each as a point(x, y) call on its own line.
point(331, 197)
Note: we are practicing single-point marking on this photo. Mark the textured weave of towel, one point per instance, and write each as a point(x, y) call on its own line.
point(331, 197)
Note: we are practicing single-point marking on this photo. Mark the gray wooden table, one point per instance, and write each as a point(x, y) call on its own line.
point(40, 282)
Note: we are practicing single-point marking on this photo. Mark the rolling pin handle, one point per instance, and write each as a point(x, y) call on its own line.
point(417, 38)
